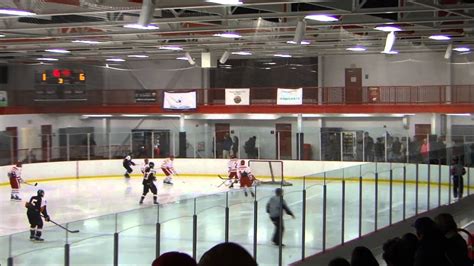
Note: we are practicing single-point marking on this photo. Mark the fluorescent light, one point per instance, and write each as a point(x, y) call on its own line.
point(232, 35)
point(141, 27)
point(86, 41)
point(184, 58)
point(86, 116)
point(440, 37)
point(242, 53)
point(16, 12)
point(388, 28)
point(263, 116)
point(389, 42)
point(356, 49)
point(389, 52)
point(225, 2)
point(356, 115)
point(170, 47)
point(270, 63)
point(282, 55)
point(134, 115)
point(267, 68)
point(311, 115)
point(2, 35)
point(462, 49)
point(302, 42)
point(449, 51)
point(459, 114)
point(47, 59)
point(323, 18)
point(115, 60)
point(138, 56)
point(58, 51)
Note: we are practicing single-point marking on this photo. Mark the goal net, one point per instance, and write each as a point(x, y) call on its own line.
point(268, 172)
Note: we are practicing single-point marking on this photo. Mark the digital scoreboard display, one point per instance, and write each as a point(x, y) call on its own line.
point(61, 76)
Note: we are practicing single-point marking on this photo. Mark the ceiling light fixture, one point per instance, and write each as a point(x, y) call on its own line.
point(242, 53)
point(462, 49)
point(390, 52)
point(189, 58)
point(47, 59)
point(115, 60)
point(16, 12)
point(302, 42)
point(231, 35)
point(299, 32)
point(388, 28)
point(282, 55)
point(141, 27)
point(225, 2)
point(389, 42)
point(449, 51)
point(356, 49)
point(58, 51)
point(440, 37)
point(184, 58)
point(134, 115)
point(86, 41)
point(171, 47)
point(323, 18)
point(2, 35)
point(224, 57)
point(138, 56)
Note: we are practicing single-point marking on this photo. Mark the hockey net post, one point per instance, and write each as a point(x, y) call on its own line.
point(269, 172)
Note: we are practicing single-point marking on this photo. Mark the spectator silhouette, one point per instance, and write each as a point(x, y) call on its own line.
point(173, 259)
point(431, 250)
point(339, 262)
point(456, 245)
point(368, 147)
point(362, 256)
point(228, 254)
point(396, 252)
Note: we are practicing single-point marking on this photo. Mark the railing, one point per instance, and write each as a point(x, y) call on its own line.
point(437, 94)
point(331, 208)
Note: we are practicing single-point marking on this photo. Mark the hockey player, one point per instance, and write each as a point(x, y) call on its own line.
point(37, 207)
point(144, 165)
point(15, 179)
point(246, 177)
point(127, 162)
point(148, 184)
point(168, 170)
point(232, 170)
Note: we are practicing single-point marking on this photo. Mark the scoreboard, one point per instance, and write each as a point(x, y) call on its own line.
point(61, 76)
point(61, 84)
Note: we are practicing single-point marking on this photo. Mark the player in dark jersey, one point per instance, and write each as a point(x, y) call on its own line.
point(127, 162)
point(148, 178)
point(37, 207)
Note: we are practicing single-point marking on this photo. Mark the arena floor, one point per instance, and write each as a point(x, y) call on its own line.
point(89, 206)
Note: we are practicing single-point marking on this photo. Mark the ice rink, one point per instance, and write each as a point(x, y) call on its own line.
point(89, 205)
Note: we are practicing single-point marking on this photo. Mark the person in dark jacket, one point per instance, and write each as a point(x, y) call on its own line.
point(432, 245)
point(456, 245)
point(226, 146)
point(457, 171)
point(362, 256)
point(274, 210)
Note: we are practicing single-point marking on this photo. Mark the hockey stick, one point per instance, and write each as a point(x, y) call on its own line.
point(33, 185)
point(70, 231)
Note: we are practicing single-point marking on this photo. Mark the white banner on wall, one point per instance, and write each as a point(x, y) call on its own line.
point(237, 96)
point(290, 96)
point(179, 100)
point(3, 98)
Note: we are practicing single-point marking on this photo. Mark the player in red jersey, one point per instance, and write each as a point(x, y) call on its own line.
point(15, 179)
point(246, 177)
point(232, 170)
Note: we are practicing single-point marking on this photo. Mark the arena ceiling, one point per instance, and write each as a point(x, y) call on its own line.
point(93, 30)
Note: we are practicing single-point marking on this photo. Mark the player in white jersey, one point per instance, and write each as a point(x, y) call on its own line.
point(15, 179)
point(246, 177)
point(232, 170)
point(144, 165)
point(168, 169)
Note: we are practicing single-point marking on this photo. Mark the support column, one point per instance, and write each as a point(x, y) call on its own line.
point(435, 124)
point(320, 79)
point(299, 138)
point(182, 138)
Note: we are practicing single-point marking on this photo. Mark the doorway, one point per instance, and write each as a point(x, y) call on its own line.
point(353, 83)
point(283, 141)
point(221, 129)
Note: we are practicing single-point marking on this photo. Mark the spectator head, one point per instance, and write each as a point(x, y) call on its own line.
point(366, 134)
point(362, 256)
point(394, 252)
point(174, 258)
point(278, 191)
point(446, 223)
point(410, 240)
point(424, 226)
point(229, 254)
point(339, 262)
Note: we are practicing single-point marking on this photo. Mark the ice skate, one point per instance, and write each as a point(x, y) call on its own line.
point(253, 194)
point(17, 198)
point(155, 202)
point(168, 182)
point(126, 175)
point(246, 194)
point(39, 239)
point(140, 202)
point(12, 197)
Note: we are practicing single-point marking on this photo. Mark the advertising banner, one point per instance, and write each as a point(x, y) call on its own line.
point(237, 96)
point(290, 96)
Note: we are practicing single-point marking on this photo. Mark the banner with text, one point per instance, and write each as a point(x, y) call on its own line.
point(3, 99)
point(290, 96)
point(237, 96)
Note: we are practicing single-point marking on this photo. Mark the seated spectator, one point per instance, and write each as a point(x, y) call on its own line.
point(456, 245)
point(228, 254)
point(339, 262)
point(397, 253)
point(174, 258)
point(362, 256)
point(431, 250)
point(410, 241)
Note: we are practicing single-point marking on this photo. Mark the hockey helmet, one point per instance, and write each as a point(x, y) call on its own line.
point(151, 164)
point(128, 157)
point(40, 192)
point(242, 162)
point(146, 160)
point(19, 164)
